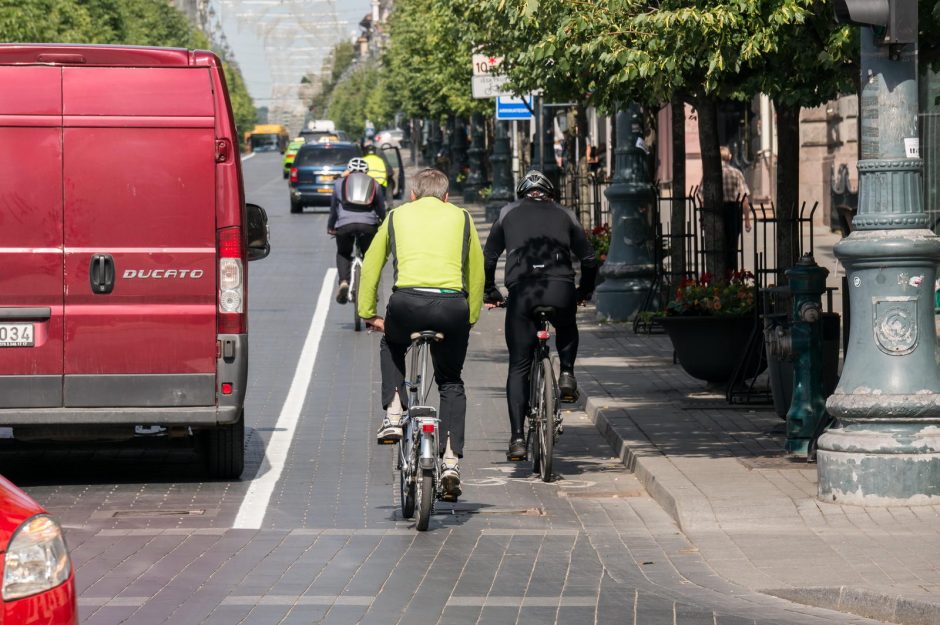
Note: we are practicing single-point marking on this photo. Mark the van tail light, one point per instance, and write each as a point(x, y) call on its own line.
point(293, 174)
point(231, 281)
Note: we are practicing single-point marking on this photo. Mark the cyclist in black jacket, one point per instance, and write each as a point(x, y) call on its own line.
point(541, 237)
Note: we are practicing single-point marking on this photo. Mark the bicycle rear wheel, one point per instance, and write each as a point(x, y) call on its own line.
point(354, 296)
point(425, 499)
point(546, 421)
point(533, 439)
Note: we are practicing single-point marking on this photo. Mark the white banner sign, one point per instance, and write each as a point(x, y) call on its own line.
point(485, 87)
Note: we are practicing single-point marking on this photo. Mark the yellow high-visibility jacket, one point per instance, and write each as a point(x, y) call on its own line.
point(435, 245)
point(377, 168)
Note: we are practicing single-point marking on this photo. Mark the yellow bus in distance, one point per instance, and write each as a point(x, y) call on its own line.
point(267, 138)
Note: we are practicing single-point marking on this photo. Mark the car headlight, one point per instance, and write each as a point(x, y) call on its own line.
point(36, 559)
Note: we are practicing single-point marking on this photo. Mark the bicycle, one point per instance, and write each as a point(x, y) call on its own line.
point(355, 273)
point(544, 414)
point(419, 466)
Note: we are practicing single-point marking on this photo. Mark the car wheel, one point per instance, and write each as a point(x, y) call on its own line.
point(224, 449)
point(386, 146)
point(296, 206)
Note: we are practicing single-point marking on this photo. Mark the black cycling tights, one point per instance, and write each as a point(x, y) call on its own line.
point(521, 339)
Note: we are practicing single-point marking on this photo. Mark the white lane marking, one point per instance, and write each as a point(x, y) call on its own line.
point(255, 504)
point(245, 158)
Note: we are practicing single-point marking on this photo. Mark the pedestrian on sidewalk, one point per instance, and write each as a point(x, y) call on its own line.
point(356, 210)
point(438, 286)
point(735, 200)
point(541, 237)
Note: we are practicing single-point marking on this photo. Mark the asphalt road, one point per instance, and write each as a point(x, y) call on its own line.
point(312, 532)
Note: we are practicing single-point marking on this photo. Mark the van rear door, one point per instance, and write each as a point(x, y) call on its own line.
point(140, 236)
point(31, 237)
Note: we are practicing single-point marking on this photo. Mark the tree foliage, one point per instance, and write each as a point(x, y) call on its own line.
point(362, 94)
point(131, 22)
point(428, 61)
point(337, 62)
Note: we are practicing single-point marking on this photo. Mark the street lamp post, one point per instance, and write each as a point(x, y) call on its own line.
point(501, 164)
point(628, 271)
point(458, 153)
point(475, 178)
point(884, 448)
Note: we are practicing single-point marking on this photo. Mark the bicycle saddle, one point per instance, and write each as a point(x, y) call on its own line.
point(546, 310)
point(427, 335)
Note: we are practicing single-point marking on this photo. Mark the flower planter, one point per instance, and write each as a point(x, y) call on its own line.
point(710, 347)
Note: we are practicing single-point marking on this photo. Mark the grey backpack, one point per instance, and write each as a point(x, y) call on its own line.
point(358, 191)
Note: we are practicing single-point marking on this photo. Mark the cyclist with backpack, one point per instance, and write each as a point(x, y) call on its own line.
point(540, 238)
point(356, 210)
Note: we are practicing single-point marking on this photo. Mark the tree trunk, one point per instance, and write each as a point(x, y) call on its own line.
point(786, 210)
point(678, 218)
point(713, 240)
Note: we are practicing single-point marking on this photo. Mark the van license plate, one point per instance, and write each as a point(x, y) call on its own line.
point(16, 335)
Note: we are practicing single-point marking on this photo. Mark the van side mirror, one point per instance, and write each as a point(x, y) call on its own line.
point(258, 233)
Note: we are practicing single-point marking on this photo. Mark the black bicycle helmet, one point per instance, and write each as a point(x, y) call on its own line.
point(535, 180)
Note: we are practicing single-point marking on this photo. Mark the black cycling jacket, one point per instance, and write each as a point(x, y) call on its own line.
point(541, 237)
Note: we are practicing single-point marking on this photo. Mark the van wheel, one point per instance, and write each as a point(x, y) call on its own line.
point(224, 449)
point(295, 206)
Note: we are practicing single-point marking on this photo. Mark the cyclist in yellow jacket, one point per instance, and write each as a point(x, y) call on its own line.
point(378, 168)
point(438, 286)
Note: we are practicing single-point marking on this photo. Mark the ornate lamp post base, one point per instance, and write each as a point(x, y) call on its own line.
point(881, 464)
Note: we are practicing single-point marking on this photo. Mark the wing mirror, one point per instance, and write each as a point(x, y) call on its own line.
point(258, 233)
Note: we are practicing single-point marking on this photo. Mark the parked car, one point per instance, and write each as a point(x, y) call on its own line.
point(390, 138)
point(315, 168)
point(291, 153)
point(123, 301)
point(38, 585)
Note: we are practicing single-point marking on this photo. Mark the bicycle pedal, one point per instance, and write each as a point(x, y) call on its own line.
point(387, 441)
point(570, 399)
point(515, 457)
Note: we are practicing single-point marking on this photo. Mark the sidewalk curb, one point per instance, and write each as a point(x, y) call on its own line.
point(663, 481)
point(691, 511)
point(874, 605)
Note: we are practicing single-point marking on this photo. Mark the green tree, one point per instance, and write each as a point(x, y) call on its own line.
point(337, 62)
point(361, 95)
point(428, 61)
point(702, 51)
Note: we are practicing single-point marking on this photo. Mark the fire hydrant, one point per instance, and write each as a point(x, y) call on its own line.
point(808, 407)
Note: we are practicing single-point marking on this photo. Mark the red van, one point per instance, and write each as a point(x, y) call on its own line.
point(124, 236)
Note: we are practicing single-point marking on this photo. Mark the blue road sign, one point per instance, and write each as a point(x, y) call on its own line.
point(508, 108)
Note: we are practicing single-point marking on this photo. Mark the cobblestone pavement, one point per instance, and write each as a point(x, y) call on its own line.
point(153, 540)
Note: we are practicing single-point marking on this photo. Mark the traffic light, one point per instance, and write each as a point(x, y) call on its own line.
point(895, 21)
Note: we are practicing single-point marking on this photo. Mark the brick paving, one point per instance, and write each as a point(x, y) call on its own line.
point(152, 539)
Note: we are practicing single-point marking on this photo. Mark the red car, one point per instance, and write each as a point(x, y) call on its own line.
point(38, 584)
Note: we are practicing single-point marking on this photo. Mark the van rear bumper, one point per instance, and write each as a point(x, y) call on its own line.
point(191, 415)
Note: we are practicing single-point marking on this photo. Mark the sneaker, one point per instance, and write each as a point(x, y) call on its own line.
point(516, 449)
point(450, 480)
point(342, 293)
point(389, 433)
point(567, 387)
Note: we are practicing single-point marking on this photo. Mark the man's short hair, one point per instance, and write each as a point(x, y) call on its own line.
point(725, 153)
point(430, 182)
